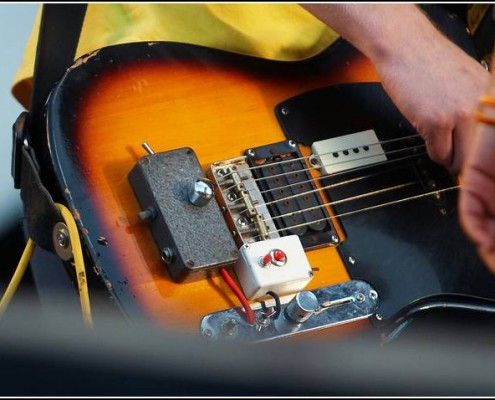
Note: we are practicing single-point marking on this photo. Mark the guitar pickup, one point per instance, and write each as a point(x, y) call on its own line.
point(347, 152)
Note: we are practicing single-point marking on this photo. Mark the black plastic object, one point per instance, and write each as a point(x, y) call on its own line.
point(407, 250)
point(288, 189)
point(192, 239)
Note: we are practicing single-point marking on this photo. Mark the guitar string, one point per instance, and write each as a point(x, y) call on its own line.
point(335, 184)
point(339, 173)
point(377, 206)
point(415, 136)
point(306, 158)
point(340, 201)
point(322, 166)
point(323, 187)
point(359, 178)
point(345, 200)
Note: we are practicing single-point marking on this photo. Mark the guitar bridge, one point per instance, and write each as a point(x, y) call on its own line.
point(242, 200)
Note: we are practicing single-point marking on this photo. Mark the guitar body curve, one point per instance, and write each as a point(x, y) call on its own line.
point(217, 104)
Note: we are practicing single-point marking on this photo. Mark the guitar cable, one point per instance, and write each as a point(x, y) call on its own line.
point(17, 277)
point(78, 261)
point(240, 295)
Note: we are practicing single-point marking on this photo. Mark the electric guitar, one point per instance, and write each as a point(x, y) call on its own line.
point(179, 160)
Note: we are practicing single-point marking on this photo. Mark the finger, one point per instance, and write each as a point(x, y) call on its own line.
point(439, 144)
point(474, 219)
point(462, 141)
point(488, 257)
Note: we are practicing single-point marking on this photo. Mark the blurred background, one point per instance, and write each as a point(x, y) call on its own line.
point(16, 21)
point(55, 355)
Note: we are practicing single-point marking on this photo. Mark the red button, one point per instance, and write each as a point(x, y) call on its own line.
point(266, 260)
point(279, 255)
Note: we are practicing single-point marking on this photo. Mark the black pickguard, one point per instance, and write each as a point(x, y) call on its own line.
point(407, 251)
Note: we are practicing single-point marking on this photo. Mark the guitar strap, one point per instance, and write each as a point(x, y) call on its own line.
point(57, 43)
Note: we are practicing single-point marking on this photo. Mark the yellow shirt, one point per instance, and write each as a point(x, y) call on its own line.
point(278, 31)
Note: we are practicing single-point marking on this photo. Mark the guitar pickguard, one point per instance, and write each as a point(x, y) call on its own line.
point(402, 229)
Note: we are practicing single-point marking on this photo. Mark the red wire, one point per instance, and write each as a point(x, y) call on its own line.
point(239, 294)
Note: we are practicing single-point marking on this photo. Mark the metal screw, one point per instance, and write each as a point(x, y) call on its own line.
point(61, 241)
point(313, 160)
point(190, 263)
point(242, 221)
point(292, 143)
point(229, 327)
point(207, 333)
point(373, 295)
point(378, 316)
point(335, 239)
point(221, 172)
point(63, 238)
point(352, 260)
point(360, 297)
point(284, 111)
point(251, 153)
point(102, 240)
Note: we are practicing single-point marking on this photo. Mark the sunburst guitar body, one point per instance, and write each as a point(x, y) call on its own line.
point(131, 130)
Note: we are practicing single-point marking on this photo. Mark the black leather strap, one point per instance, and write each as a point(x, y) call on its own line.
point(60, 28)
point(57, 44)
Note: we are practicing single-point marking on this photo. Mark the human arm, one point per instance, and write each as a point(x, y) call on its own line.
point(433, 82)
point(477, 197)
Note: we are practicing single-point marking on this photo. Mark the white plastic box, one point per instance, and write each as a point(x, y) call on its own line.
point(281, 275)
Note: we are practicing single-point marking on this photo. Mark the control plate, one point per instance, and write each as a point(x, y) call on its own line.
point(338, 304)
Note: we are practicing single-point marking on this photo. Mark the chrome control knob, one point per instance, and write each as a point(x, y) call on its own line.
point(302, 306)
point(201, 192)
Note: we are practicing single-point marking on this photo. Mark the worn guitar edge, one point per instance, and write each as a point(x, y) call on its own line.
point(171, 95)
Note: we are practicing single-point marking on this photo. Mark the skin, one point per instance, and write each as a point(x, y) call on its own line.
point(436, 86)
point(430, 79)
point(477, 198)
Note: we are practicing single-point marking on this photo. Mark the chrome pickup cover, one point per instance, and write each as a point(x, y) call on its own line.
point(347, 152)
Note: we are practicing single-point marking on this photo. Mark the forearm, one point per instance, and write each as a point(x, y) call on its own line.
point(380, 31)
point(431, 80)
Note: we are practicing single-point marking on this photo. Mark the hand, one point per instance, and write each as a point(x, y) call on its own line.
point(436, 88)
point(477, 195)
point(432, 81)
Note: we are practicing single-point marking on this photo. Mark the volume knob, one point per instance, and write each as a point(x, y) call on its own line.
point(201, 192)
